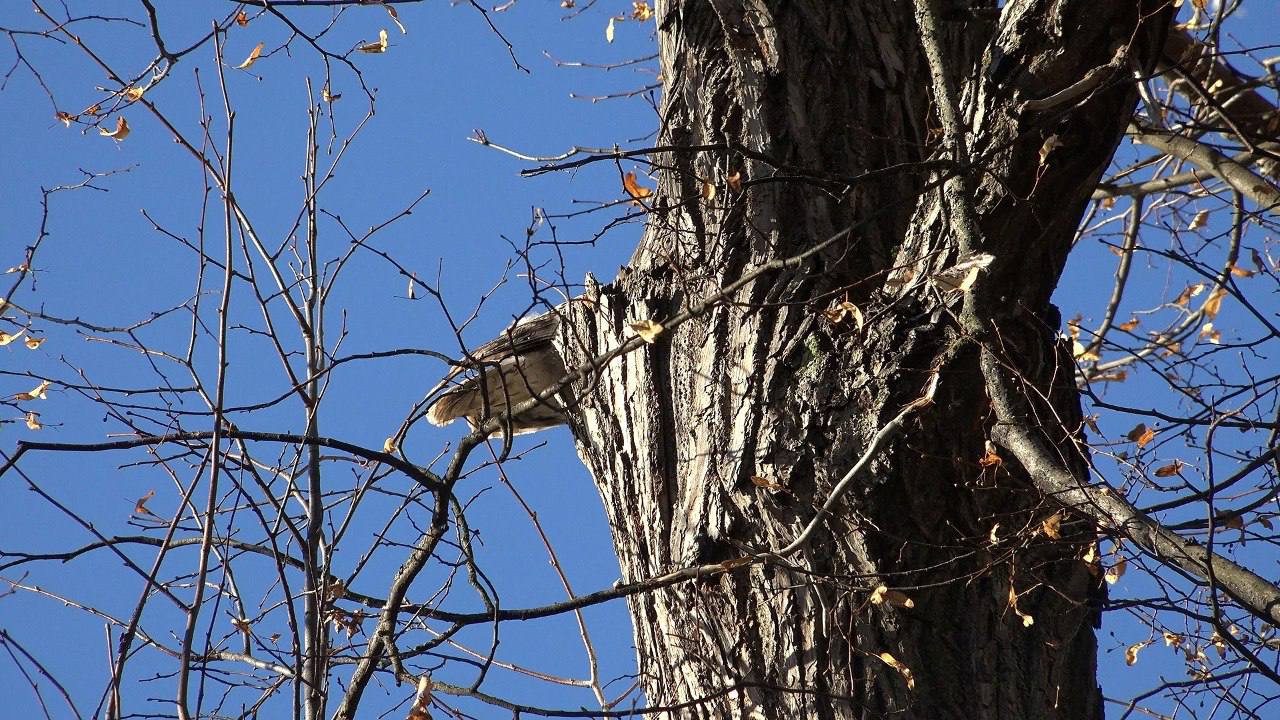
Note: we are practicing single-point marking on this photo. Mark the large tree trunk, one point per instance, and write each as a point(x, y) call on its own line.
point(723, 437)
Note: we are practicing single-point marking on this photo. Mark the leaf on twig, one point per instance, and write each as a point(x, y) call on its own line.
point(375, 47)
point(648, 330)
point(902, 669)
point(634, 188)
point(253, 57)
point(121, 132)
point(894, 598)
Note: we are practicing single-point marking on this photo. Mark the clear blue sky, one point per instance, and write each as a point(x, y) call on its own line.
point(104, 262)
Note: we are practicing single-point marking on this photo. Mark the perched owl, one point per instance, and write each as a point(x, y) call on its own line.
point(508, 370)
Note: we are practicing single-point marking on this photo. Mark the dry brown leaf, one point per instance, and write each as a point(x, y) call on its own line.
point(1129, 326)
point(1116, 571)
point(377, 47)
point(32, 342)
point(242, 626)
point(842, 311)
point(1052, 526)
point(634, 188)
point(766, 483)
point(903, 670)
point(64, 117)
point(1199, 220)
point(1187, 293)
point(991, 458)
point(1141, 434)
point(994, 536)
point(1050, 144)
point(133, 94)
point(1113, 376)
point(6, 338)
point(389, 445)
point(1172, 640)
point(641, 11)
point(121, 132)
point(37, 392)
point(708, 191)
point(648, 330)
point(242, 18)
point(140, 507)
point(253, 57)
point(1213, 303)
point(328, 96)
point(1169, 470)
point(1258, 263)
point(735, 182)
point(1240, 272)
point(395, 18)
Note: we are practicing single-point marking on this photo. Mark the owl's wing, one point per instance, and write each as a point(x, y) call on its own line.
point(508, 370)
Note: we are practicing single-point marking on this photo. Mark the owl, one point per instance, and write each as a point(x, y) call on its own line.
point(507, 371)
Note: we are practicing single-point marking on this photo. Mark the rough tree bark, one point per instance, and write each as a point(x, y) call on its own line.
point(724, 436)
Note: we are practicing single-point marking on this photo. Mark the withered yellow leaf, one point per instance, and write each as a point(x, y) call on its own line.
point(1027, 620)
point(641, 10)
point(894, 598)
point(33, 421)
point(377, 47)
point(648, 330)
point(1199, 220)
point(253, 57)
point(389, 445)
point(38, 392)
point(32, 342)
point(1172, 639)
point(708, 190)
point(1242, 272)
point(1131, 652)
point(634, 188)
point(608, 30)
point(133, 94)
point(121, 132)
point(328, 96)
point(902, 669)
point(6, 338)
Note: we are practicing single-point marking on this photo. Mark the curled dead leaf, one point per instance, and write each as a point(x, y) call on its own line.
point(375, 47)
point(648, 330)
point(121, 131)
point(902, 669)
point(253, 57)
point(894, 598)
point(634, 188)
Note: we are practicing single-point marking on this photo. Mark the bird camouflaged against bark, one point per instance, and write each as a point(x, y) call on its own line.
point(504, 372)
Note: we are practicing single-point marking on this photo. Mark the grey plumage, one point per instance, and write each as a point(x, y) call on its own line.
point(507, 371)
